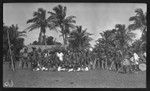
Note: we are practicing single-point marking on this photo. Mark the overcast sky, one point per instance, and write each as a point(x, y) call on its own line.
point(96, 17)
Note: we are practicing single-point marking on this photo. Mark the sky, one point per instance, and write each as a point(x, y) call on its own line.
point(96, 17)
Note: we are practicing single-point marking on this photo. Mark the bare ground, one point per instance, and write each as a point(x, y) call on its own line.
point(91, 79)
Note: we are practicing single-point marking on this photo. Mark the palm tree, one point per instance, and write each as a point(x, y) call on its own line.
point(100, 50)
point(79, 39)
point(39, 20)
point(79, 44)
point(123, 39)
point(13, 41)
point(139, 23)
point(16, 39)
point(15, 34)
point(108, 44)
point(113, 42)
point(59, 19)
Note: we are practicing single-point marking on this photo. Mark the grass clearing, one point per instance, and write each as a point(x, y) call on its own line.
point(91, 79)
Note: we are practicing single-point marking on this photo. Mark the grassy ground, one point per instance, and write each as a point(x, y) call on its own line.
point(90, 79)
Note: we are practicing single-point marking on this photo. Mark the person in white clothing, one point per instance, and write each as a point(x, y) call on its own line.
point(136, 60)
point(60, 55)
point(136, 57)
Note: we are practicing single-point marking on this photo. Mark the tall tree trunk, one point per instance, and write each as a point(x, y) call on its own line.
point(63, 35)
point(40, 38)
point(45, 39)
point(44, 31)
point(12, 62)
point(94, 63)
point(121, 59)
point(65, 39)
point(101, 64)
point(106, 58)
point(106, 64)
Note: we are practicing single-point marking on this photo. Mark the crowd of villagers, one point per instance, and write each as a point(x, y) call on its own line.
point(54, 58)
point(51, 60)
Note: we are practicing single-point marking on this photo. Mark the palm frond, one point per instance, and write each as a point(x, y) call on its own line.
point(33, 20)
point(52, 15)
point(139, 11)
point(70, 19)
point(32, 27)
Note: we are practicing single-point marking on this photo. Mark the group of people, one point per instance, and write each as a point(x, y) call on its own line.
point(34, 58)
point(45, 58)
point(28, 58)
point(132, 64)
point(37, 58)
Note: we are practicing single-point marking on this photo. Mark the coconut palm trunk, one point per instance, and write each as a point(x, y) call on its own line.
point(63, 35)
point(44, 31)
point(102, 64)
point(40, 38)
point(12, 62)
point(94, 63)
point(44, 39)
point(122, 58)
point(64, 40)
point(106, 64)
point(106, 61)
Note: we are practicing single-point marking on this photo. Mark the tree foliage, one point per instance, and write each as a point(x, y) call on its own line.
point(16, 40)
point(39, 20)
point(79, 39)
point(139, 22)
point(59, 19)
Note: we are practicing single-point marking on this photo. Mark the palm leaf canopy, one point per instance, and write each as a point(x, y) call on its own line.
point(14, 34)
point(59, 19)
point(139, 20)
point(79, 38)
point(39, 20)
point(123, 35)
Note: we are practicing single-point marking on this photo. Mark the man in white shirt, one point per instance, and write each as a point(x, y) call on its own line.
point(60, 55)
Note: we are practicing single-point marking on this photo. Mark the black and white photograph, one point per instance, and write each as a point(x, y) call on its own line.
point(74, 45)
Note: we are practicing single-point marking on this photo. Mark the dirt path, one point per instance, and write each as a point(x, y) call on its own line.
point(90, 79)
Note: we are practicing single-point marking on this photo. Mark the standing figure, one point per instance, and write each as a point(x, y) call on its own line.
point(136, 61)
point(60, 55)
point(126, 65)
point(34, 58)
point(39, 56)
point(24, 58)
point(144, 57)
